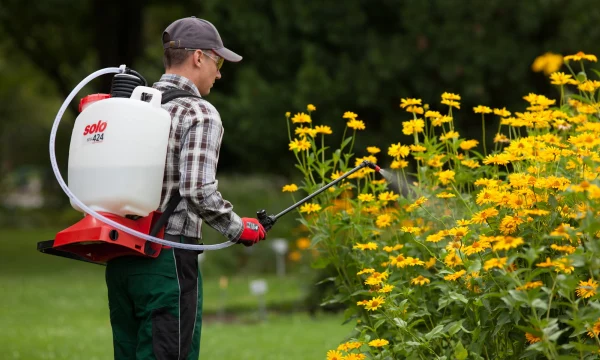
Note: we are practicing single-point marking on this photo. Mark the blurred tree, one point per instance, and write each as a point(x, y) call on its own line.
point(361, 56)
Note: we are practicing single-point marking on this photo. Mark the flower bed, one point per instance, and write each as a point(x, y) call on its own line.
point(480, 255)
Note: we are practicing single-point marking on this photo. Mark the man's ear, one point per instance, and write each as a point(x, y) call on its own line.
point(198, 57)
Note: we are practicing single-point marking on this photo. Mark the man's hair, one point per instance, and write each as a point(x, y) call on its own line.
point(175, 57)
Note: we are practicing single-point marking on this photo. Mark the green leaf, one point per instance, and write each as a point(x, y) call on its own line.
point(400, 323)
point(379, 323)
point(413, 343)
point(458, 297)
point(348, 139)
point(460, 353)
point(434, 333)
point(454, 327)
point(540, 304)
point(320, 263)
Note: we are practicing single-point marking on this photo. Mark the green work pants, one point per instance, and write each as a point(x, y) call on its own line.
point(156, 305)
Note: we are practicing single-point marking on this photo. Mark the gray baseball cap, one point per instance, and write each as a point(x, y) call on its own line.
point(194, 33)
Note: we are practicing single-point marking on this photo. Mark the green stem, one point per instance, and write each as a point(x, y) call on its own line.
point(483, 130)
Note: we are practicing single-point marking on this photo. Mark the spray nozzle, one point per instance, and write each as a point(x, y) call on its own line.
point(371, 165)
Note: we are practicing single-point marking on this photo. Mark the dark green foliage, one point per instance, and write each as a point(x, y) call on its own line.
point(356, 55)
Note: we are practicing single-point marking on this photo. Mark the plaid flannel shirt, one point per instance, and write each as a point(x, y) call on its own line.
point(191, 165)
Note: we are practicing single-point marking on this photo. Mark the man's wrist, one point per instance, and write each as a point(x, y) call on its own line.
point(236, 227)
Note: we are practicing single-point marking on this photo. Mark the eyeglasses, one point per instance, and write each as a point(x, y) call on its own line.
point(216, 58)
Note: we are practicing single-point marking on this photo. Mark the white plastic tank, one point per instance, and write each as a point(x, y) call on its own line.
point(117, 154)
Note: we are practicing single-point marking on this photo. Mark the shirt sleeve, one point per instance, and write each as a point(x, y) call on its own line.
point(199, 155)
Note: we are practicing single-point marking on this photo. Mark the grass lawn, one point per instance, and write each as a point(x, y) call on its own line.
point(54, 308)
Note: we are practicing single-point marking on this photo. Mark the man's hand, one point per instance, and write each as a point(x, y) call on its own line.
point(253, 232)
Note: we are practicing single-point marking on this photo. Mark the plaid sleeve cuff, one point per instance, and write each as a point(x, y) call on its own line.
point(235, 228)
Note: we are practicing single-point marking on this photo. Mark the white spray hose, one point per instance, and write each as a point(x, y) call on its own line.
point(91, 212)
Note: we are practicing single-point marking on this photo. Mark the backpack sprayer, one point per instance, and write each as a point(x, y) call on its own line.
point(116, 168)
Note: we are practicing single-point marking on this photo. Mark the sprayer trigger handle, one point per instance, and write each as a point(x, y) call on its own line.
point(265, 220)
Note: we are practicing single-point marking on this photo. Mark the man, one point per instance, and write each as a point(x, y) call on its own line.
point(156, 304)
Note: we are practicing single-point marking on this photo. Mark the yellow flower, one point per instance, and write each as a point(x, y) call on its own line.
point(409, 102)
point(482, 216)
point(303, 243)
point(388, 196)
point(310, 208)
point(451, 103)
point(589, 85)
point(386, 289)
point(336, 175)
point(413, 126)
point(368, 246)
point(349, 115)
point(411, 229)
point(437, 237)
point(452, 260)
point(399, 164)
point(560, 78)
point(595, 330)
point(449, 135)
point(398, 150)
point(417, 148)
point(375, 303)
point(301, 118)
point(531, 285)
point(303, 131)
point(299, 144)
point(480, 109)
point(473, 164)
point(468, 144)
point(563, 265)
point(295, 256)
point(581, 56)
point(450, 96)
point(373, 149)
point(548, 63)
point(366, 197)
point(445, 195)
point(532, 338)
point(587, 289)
point(378, 342)
point(334, 355)
point(446, 176)
point(355, 356)
point(311, 107)
point(350, 345)
point(415, 109)
point(455, 276)
point(495, 263)
point(563, 248)
point(507, 242)
point(322, 129)
point(420, 280)
point(366, 271)
point(290, 188)
point(432, 114)
point(476, 247)
point(502, 112)
point(398, 261)
point(356, 124)
point(429, 263)
point(287, 114)
point(383, 220)
point(501, 138)
point(547, 263)
point(509, 224)
point(392, 248)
